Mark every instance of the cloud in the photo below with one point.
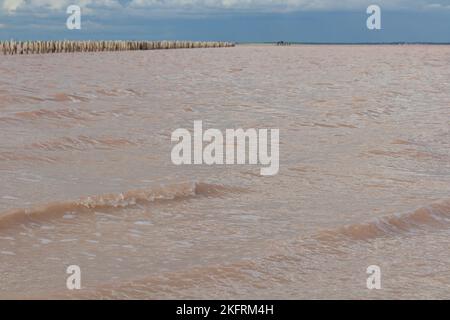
(200, 6)
(439, 6)
(273, 4)
(12, 5)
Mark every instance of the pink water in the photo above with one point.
(87, 179)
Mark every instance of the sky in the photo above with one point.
(321, 21)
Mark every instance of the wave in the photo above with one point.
(120, 92)
(262, 271)
(436, 215)
(60, 114)
(69, 115)
(20, 156)
(9, 98)
(180, 191)
(82, 142)
(168, 284)
(64, 97)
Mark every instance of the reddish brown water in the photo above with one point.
(86, 175)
